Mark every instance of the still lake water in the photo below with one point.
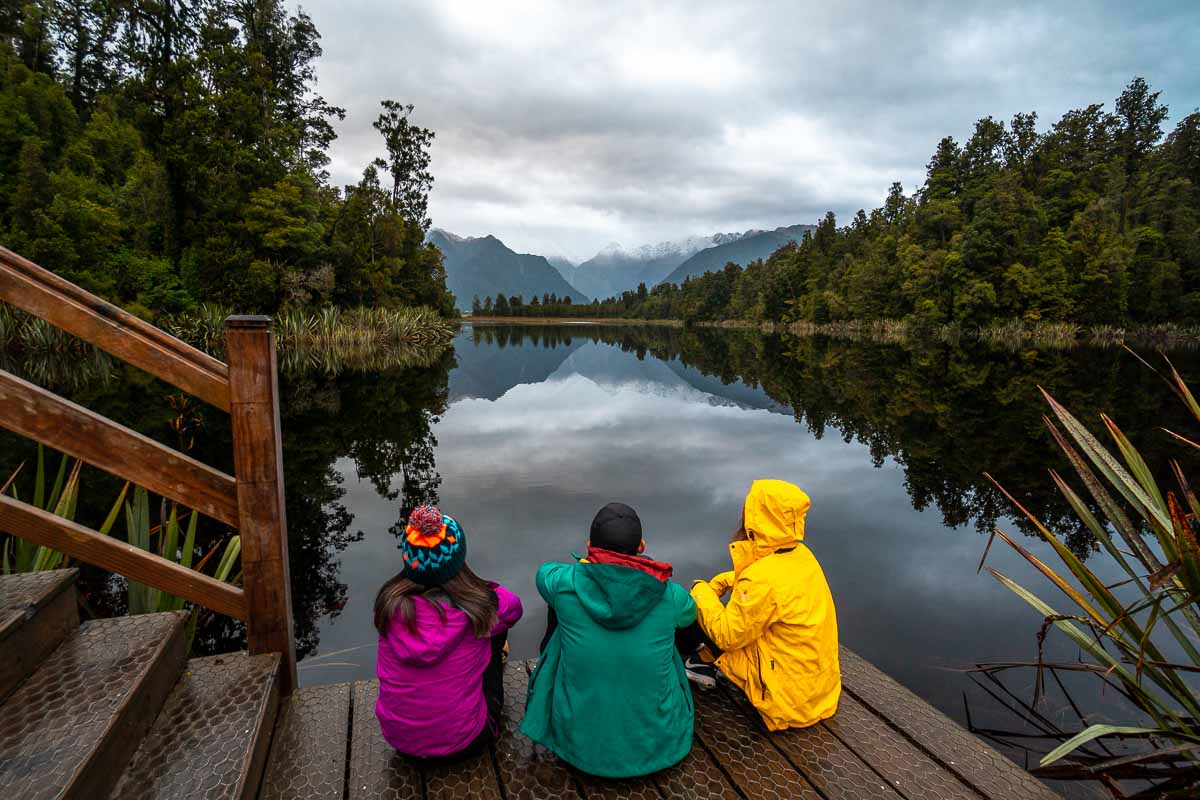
(522, 433)
(540, 427)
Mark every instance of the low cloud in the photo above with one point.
(561, 127)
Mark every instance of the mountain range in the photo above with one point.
(484, 266)
(615, 269)
(750, 246)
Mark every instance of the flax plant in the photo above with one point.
(19, 555)
(145, 599)
(1143, 640)
(61, 497)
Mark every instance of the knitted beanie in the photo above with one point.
(434, 547)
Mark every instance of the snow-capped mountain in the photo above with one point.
(615, 269)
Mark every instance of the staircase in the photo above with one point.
(114, 708)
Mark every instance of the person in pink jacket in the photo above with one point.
(442, 631)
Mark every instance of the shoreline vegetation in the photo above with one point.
(329, 338)
(1009, 333)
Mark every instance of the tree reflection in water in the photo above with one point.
(943, 412)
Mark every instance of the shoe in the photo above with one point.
(698, 672)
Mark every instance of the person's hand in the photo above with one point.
(722, 583)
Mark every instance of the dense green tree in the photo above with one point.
(166, 152)
(1095, 221)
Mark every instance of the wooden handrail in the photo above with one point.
(253, 501)
(39, 292)
(85, 544)
(45, 417)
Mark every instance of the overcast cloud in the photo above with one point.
(564, 126)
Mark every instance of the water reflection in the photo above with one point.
(524, 432)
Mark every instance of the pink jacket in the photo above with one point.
(431, 682)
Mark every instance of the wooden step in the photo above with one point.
(308, 751)
(70, 728)
(211, 738)
(38, 610)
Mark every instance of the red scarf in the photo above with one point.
(656, 569)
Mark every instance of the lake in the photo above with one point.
(522, 433)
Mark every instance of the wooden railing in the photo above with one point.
(252, 502)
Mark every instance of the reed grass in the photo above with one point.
(329, 337)
(1142, 641)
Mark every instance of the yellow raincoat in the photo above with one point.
(779, 629)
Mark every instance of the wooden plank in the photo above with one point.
(527, 771)
(697, 777)
(618, 788)
(377, 772)
(834, 769)
(308, 754)
(258, 462)
(906, 768)
(464, 780)
(43, 294)
(41, 527)
(977, 764)
(45, 417)
(741, 746)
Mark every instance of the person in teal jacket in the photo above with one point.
(609, 694)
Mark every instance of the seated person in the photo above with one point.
(609, 695)
(442, 632)
(776, 639)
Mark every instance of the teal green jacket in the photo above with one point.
(609, 695)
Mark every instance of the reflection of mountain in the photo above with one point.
(735, 392)
(488, 365)
(943, 413)
(492, 360)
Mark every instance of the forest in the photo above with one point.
(168, 154)
(1095, 221)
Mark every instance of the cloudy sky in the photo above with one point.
(564, 126)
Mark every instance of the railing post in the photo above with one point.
(258, 464)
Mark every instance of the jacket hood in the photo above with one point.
(432, 640)
(774, 514)
(618, 596)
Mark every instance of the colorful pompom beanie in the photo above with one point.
(434, 546)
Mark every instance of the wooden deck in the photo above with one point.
(884, 744)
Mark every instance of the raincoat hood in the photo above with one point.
(774, 514)
(618, 596)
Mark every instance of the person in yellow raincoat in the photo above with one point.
(778, 633)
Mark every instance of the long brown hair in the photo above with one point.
(740, 534)
(466, 591)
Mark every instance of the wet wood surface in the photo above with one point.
(860, 753)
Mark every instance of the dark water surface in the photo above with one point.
(522, 433)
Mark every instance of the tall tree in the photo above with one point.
(408, 161)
